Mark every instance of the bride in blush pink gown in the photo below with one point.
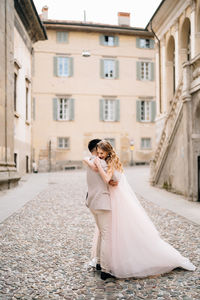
(136, 248)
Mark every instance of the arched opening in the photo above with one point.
(170, 68)
(185, 41)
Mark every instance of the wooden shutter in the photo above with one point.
(71, 109)
(152, 71)
(71, 66)
(55, 66)
(101, 109)
(116, 41)
(153, 111)
(138, 42)
(138, 70)
(138, 111)
(116, 69)
(117, 110)
(102, 68)
(55, 109)
(151, 43)
(101, 39)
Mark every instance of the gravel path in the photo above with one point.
(45, 245)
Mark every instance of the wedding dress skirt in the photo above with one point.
(136, 249)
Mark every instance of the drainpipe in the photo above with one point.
(160, 91)
(6, 87)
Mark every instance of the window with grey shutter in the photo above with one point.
(151, 71)
(138, 68)
(55, 109)
(153, 111)
(117, 110)
(109, 40)
(101, 108)
(138, 113)
(109, 68)
(71, 109)
(71, 66)
(55, 67)
(61, 36)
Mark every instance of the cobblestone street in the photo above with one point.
(44, 248)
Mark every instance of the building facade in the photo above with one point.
(176, 164)
(27, 30)
(20, 27)
(93, 81)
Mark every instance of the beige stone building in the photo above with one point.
(93, 81)
(20, 27)
(176, 164)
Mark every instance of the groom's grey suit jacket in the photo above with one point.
(98, 194)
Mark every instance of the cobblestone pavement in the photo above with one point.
(45, 245)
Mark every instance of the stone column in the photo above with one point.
(8, 174)
(157, 80)
(176, 39)
(163, 75)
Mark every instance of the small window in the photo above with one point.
(61, 36)
(109, 68)
(63, 66)
(63, 143)
(146, 111)
(63, 109)
(111, 141)
(109, 110)
(145, 143)
(145, 70)
(109, 40)
(144, 43)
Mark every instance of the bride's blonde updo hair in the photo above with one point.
(112, 159)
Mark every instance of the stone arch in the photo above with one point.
(185, 41)
(170, 69)
(197, 117)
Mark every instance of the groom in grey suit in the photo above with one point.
(99, 203)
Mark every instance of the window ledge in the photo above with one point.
(28, 122)
(63, 149)
(16, 114)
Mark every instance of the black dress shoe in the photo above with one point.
(105, 275)
(98, 267)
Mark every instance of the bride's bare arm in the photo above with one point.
(105, 176)
(90, 164)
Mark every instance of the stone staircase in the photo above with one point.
(168, 133)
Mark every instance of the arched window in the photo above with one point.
(185, 41)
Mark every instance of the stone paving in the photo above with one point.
(45, 245)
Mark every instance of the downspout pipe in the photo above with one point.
(159, 51)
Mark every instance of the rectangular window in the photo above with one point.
(109, 68)
(63, 66)
(63, 143)
(145, 143)
(145, 111)
(63, 109)
(61, 36)
(145, 70)
(111, 141)
(15, 92)
(109, 110)
(27, 103)
(109, 40)
(144, 43)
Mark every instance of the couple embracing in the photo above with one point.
(127, 244)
